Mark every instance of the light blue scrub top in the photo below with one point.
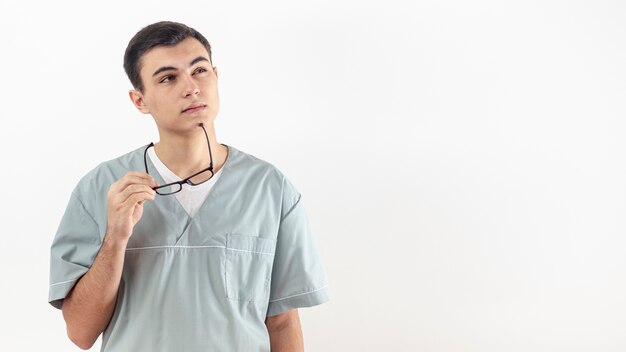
(205, 283)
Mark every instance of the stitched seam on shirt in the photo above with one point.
(300, 294)
(156, 247)
(292, 208)
(231, 249)
(87, 211)
(62, 282)
(244, 250)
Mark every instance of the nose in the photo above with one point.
(191, 88)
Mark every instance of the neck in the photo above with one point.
(186, 154)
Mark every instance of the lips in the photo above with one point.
(194, 108)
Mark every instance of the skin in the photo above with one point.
(285, 332)
(182, 146)
(189, 79)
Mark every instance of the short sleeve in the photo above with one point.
(74, 248)
(298, 276)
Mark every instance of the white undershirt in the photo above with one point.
(190, 197)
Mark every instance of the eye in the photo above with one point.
(166, 79)
(199, 70)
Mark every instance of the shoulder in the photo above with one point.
(93, 186)
(248, 164)
(268, 172)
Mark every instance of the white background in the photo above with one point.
(462, 163)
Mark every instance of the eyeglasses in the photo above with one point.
(194, 180)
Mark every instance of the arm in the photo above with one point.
(88, 308)
(285, 332)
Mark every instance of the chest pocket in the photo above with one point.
(248, 267)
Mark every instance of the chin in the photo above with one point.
(208, 118)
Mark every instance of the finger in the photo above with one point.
(128, 180)
(135, 198)
(119, 197)
(135, 189)
(134, 180)
(137, 174)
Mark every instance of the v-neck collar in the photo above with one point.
(171, 198)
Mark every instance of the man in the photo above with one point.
(187, 244)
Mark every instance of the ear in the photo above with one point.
(137, 98)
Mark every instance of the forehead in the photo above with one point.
(179, 55)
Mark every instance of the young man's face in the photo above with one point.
(175, 79)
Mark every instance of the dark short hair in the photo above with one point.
(164, 33)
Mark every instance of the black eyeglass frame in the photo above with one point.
(186, 180)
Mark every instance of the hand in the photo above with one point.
(125, 203)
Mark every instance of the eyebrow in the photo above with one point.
(171, 68)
